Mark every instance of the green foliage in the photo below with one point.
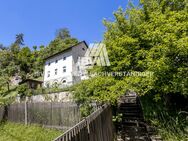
(86, 109)
(58, 45)
(152, 38)
(117, 118)
(172, 126)
(23, 90)
(63, 33)
(98, 89)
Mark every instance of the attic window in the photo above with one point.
(49, 64)
(64, 58)
(83, 48)
(56, 61)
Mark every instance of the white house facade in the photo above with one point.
(62, 68)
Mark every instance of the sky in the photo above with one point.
(38, 20)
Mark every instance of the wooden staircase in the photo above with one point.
(133, 127)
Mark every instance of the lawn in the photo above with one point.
(19, 132)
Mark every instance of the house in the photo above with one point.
(32, 83)
(62, 69)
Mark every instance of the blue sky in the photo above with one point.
(39, 19)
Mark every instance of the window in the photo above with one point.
(47, 85)
(64, 81)
(55, 71)
(64, 58)
(33, 85)
(64, 69)
(49, 64)
(83, 49)
(48, 74)
(56, 61)
(78, 68)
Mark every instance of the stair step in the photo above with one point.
(132, 119)
(127, 112)
(128, 100)
(130, 108)
(130, 111)
(135, 129)
(138, 124)
(127, 115)
(142, 138)
(130, 105)
(156, 138)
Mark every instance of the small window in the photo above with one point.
(49, 64)
(48, 85)
(64, 69)
(83, 49)
(64, 58)
(64, 81)
(33, 85)
(56, 61)
(55, 71)
(78, 68)
(48, 74)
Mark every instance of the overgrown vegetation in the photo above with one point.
(172, 122)
(19, 132)
(151, 38)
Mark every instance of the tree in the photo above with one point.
(2, 47)
(63, 33)
(150, 39)
(25, 62)
(19, 39)
(35, 48)
(62, 41)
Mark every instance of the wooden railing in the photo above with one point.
(95, 127)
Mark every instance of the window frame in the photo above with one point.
(48, 74)
(64, 58)
(64, 69)
(56, 70)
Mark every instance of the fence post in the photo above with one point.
(26, 111)
(51, 115)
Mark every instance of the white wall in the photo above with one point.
(59, 66)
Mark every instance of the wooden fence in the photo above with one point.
(95, 127)
(55, 115)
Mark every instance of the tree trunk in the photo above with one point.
(6, 108)
(5, 113)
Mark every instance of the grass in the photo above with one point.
(19, 132)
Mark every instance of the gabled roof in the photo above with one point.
(66, 50)
(31, 80)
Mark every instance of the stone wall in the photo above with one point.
(53, 97)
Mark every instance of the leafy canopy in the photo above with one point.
(152, 37)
